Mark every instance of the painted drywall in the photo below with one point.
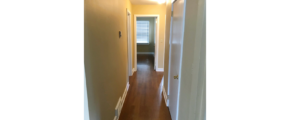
(161, 11)
(105, 55)
(150, 47)
(86, 105)
(166, 45)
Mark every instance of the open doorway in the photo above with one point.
(146, 36)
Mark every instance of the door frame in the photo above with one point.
(169, 57)
(156, 39)
(129, 39)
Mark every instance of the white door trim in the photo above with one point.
(156, 37)
(130, 73)
(169, 61)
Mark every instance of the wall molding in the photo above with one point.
(159, 69)
(118, 108)
(147, 53)
(165, 95)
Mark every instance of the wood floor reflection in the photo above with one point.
(144, 99)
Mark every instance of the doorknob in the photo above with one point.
(175, 77)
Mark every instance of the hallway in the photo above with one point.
(144, 99)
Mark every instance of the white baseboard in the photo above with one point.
(120, 103)
(142, 53)
(125, 93)
(159, 69)
(165, 96)
(133, 70)
(118, 109)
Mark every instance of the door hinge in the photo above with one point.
(171, 13)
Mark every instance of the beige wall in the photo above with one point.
(148, 47)
(105, 55)
(153, 9)
(167, 37)
(132, 34)
(106, 77)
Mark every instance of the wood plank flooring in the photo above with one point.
(144, 99)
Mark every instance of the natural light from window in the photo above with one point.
(142, 31)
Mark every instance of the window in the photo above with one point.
(143, 32)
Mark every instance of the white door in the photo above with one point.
(176, 43)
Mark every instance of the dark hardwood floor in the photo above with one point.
(144, 99)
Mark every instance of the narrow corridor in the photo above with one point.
(144, 99)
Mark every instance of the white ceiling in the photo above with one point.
(147, 2)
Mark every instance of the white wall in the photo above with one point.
(85, 97)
